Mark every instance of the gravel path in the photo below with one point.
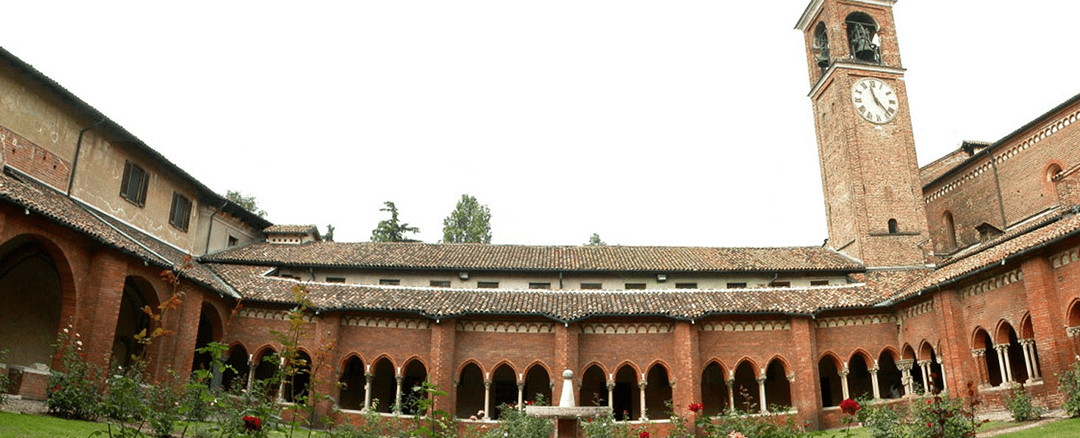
(17, 404)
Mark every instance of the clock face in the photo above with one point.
(875, 100)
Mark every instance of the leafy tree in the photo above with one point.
(248, 202)
(594, 240)
(470, 222)
(392, 230)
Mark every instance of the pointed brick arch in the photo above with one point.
(658, 389)
(745, 387)
(29, 329)
(353, 382)
(777, 383)
(504, 388)
(594, 386)
(413, 374)
(626, 400)
(538, 384)
(714, 388)
(383, 383)
(470, 389)
(829, 367)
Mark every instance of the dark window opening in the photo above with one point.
(180, 212)
(893, 227)
(134, 184)
(539, 285)
(780, 284)
(635, 286)
(389, 282)
(487, 284)
(591, 286)
(233, 241)
(685, 285)
(439, 283)
(736, 285)
(335, 279)
(819, 282)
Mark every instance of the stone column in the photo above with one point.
(924, 365)
(905, 375)
(611, 394)
(843, 382)
(487, 398)
(980, 363)
(761, 394)
(251, 372)
(368, 377)
(399, 379)
(731, 394)
(642, 385)
(521, 394)
(1003, 362)
(874, 381)
(944, 381)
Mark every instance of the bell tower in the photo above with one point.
(869, 172)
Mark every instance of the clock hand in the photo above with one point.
(874, 95)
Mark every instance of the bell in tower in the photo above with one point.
(821, 47)
(862, 36)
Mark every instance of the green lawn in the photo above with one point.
(20, 425)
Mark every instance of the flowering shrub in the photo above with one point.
(934, 417)
(252, 424)
(849, 406)
(696, 407)
(643, 434)
(74, 393)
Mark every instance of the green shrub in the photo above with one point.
(1020, 405)
(74, 393)
(1069, 386)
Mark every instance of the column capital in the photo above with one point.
(924, 362)
(978, 352)
(1072, 331)
(844, 373)
(1001, 347)
(761, 379)
(642, 384)
(730, 382)
(487, 384)
(791, 378)
(874, 370)
(905, 364)
(1027, 341)
(610, 386)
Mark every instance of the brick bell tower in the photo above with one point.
(869, 172)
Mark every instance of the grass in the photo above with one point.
(23, 425)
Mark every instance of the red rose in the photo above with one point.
(643, 434)
(849, 406)
(695, 407)
(252, 423)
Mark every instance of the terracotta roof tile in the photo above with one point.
(290, 229)
(538, 258)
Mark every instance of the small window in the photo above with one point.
(487, 284)
(819, 282)
(685, 285)
(780, 284)
(134, 184)
(180, 212)
(439, 283)
(389, 281)
(233, 241)
(736, 285)
(539, 285)
(591, 286)
(335, 279)
(893, 228)
(635, 286)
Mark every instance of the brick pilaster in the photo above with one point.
(805, 390)
(99, 305)
(955, 352)
(1047, 319)
(686, 368)
(566, 358)
(441, 373)
(326, 359)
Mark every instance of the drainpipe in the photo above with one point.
(997, 184)
(75, 161)
(210, 229)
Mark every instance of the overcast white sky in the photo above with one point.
(648, 122)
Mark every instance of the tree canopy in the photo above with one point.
(248, 202)
(594, 240)
(470, 222)
(392, 230)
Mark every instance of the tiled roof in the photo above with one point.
(539, 258)
(290, 229)
(39, 199)
(560, 305)
(999, 250)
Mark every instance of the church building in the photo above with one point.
(958, 271)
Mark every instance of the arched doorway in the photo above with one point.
(593, 391)
(296, 385)
(209, 331)
(657, 392)
(747, 398)
(235, 376)
(777, 385)
(132, 320)
(890, 379)
(990, 362)
(503, 390)
(352, 382)
(714, 390)
(860, 384)
(266, 365)
(626, 402)
(383, 386)
(412, 391)
(31, 301)
(538, 386)
(470, 391)
(832, 390)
